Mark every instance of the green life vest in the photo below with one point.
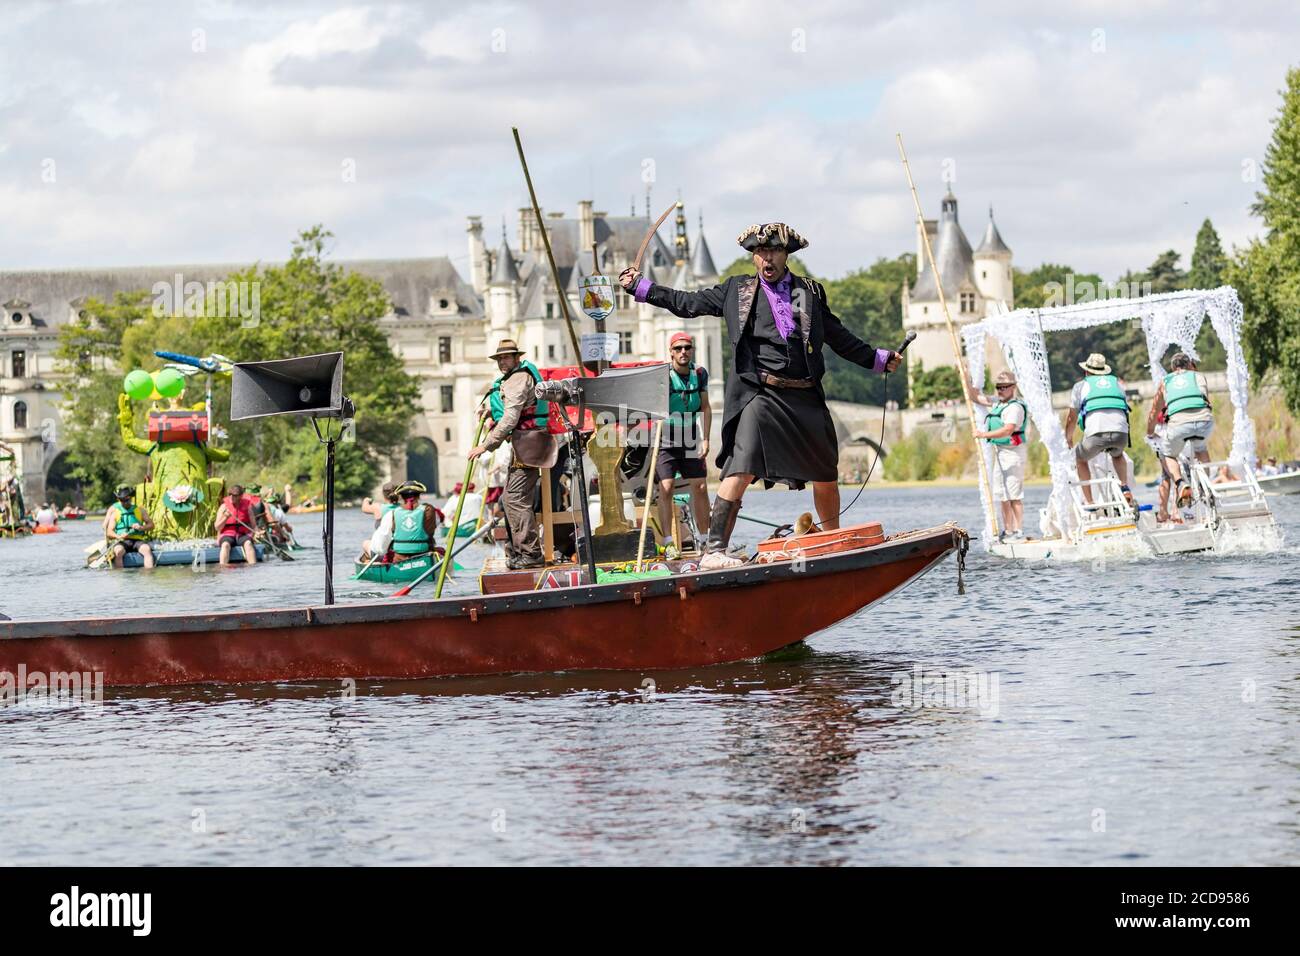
(408, 531)
(127, 520)
(1101, 392)
(683, 399)
(994, 421)
(1183, 393)
(531, 418)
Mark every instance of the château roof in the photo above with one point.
(992, 243)
(952, 254)
(57, 294)
(504, 270)
(702, 260)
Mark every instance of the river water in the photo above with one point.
(1137, 713)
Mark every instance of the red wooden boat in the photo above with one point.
(686, 620)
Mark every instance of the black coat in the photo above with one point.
(733, 300)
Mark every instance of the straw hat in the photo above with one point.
(1005, 377)
(506, 347)
(1096, 364)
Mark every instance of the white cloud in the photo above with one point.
(1099, 159)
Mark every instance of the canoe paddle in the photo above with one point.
(403, 592)
(277, 550)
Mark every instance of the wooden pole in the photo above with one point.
(555, 272)
(649, 493)
(455, 522)
(952, 336)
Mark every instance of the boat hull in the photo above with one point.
(1287, 484)
(680, 621)
(210, 554)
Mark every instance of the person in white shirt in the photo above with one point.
(1004, 430)
(1099, 403)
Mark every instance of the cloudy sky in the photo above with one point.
(212, 131)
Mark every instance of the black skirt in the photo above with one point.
(786, 436)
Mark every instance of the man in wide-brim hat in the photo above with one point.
(519, 417)
(776, 426)
(1099, 404)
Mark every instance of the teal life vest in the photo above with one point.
(1102, 392)
(409, 536)
(994, 421)
(127, 520)
(535, 417)
(683, 400)
(1183, 393)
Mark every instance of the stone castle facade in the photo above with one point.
(975, 283)
(442, 325)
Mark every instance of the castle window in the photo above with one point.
(550, 310)
(20, 415)
(17, 318)
(446, 434)
(443, 303)
(925, 310)
(448, 399)
(19, 361)
(984, 274)
(550, 353)
(968, 302)
(444, 348)
(625, 343)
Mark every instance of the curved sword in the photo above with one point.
(640, 253)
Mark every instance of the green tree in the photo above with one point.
(1266, 272)
(1208, 260)
(308, 306)
(870, 304)
(935, 385)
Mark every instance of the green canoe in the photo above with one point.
(399, 572)
(467, 528)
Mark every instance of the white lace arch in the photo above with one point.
(1170, 318)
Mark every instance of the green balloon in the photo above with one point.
(138, 385)
(169, 382)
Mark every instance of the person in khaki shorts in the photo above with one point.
(1100, 404)
(1183, 402)
(1004, 429)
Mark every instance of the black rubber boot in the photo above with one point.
(721, 520)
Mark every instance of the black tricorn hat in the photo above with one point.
(771, 234)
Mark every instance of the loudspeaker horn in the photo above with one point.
(307, 385)
(642, 391)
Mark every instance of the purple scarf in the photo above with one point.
(778, 298)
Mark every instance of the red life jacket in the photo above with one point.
(244, 513)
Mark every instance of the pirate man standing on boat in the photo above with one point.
(521, 418)
(776, 427)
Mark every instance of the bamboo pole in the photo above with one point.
(952, 336)
(550, 257)
(455, 522)
(649, 493)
